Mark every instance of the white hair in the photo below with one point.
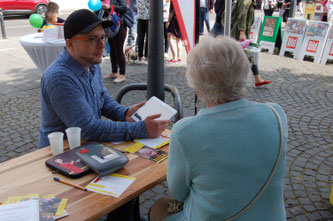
(217, 68)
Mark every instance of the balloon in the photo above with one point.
(95, 5)
(36, 20)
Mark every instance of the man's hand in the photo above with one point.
(132, 110)
(155, 127)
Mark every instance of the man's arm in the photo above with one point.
(242, 17)
(71, 106)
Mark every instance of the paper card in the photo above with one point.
(111, 185)
(154, 143)
(22, 211)
(152, 154)
(154, 106)
(133, 148)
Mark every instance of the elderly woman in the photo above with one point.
(220, 159)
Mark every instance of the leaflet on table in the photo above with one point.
(112, 185)
(154, 106)
(50, 207)
(20, 211)
(154, 143)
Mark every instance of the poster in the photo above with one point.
(269, 27)
(318, 30)
(295, 26)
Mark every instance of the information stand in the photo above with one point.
(293, 36)
(328, 50)
(255, 29)
(314, 40)
(271, 33)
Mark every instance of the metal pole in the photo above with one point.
(155, 51)
(293, 8)
(227, 18)
(2, 23)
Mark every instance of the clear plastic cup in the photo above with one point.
(74, 137)
(57, 142)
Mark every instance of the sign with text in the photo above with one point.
(293, 36)
(328, 49)
(314, 40)
(271, 33)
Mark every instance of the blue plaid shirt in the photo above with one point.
(74, 97)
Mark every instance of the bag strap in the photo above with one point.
(269, 180)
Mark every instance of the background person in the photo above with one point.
(206, 7)
(174, 37)
(242, 18)
(117, 55)
(268, 6)
(143, 16)
(166, 12)
(51, 20)
(52, 6)
(132, 31)
(220, 158)
(219, 9)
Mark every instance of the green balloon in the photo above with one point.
(36, 20)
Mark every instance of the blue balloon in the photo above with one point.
(95, 5)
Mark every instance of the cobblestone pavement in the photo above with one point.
(302, 88)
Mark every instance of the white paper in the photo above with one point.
(154, 106)
(112, 185)
(22, 211)
(152, 142)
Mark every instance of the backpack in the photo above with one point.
(114, 17)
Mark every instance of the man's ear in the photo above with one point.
(69, 44)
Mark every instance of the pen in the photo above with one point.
(70, 184)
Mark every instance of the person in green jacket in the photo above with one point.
(242, 18)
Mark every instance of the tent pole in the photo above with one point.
(155, 78)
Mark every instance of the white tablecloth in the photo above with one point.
(42, 53)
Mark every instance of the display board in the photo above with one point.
(314, 40)
(328, 49)
(293, 36)
(310, 8)
(255, 29)
(271, 33)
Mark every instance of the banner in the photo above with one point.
(185, 13)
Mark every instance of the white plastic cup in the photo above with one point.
(74, 137)
(57, 142)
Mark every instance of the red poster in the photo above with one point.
(292, 42)
(312, 46)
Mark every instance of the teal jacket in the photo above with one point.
(219, 160)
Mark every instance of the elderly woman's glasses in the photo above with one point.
(94, 40)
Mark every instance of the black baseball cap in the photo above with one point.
(82, 21)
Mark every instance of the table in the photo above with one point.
(28, 174)
(42, 53)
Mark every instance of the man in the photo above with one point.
(205, 7)
(73, 93)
